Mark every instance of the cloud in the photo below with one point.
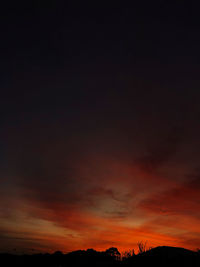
(96, 199)
(161, 152)
(182, 199)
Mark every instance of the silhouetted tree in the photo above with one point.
(142, 247)
(58, 253)
(113, 252)
(91, 251)
(128, 254)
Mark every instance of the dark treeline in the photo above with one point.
(160, 256)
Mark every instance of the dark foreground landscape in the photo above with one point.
(159, 256)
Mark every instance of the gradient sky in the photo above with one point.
(99, 127)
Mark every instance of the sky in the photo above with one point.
(99, 126)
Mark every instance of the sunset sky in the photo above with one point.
(99, 126)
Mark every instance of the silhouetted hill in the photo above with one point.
(166, 251)
(165, 256)
(159, 256)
